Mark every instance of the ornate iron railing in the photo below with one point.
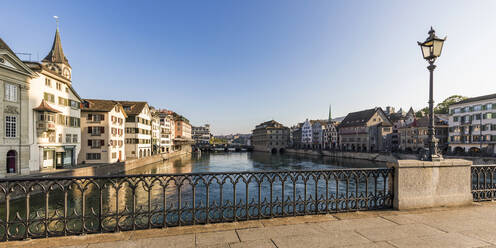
(484, 182)
(45, 207)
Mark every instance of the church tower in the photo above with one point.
(56, 61)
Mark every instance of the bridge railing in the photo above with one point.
(484, 182)
(59, 206)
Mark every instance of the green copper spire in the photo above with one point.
(330, 116)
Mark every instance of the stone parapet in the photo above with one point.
(424, 184)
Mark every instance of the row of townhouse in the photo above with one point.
(369, 130)
(47, 125)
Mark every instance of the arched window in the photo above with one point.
(11, 161)
(140, 153)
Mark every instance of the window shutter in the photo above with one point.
(102, 129)
(102, 142)
(89, 142)
(89, 129)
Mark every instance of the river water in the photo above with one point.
(246, 161)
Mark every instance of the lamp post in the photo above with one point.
(431, 49)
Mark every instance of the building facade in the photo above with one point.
(15, 79)
(270, 136)
(182, 135)
(365, 131)
(102, 132)
(318, 128)
(413, 136)
(201, 135)
(167, 129)
(306, 134)
(472, 125)
(54, 121)
(138, 132)
(331, 137)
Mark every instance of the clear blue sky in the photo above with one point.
(234, 64)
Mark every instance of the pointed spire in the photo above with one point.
(56, 55)
(330, 116)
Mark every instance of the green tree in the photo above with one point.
(443, 107)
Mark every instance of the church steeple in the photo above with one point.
(55, 60)
(56, 55)
(330, 116)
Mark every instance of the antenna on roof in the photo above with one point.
(57, 21)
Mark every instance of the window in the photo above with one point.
(60, 138)
(68, 138)
(59, 86)
(49, 97)
(10, 92)
(455, 119)
(67, 89)
(74, 104)
(48, 82)
(93, 156)
(63, 101)
(114, 155)
(74, 138)
(10, 126)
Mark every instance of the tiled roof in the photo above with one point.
(476, 99)
(98, 105)
(133, 108)
(45, 107)
(358, 118)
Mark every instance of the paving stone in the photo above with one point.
(451, 240)
(279, 231)
(487, 235)
(254, 243)
(116, 244)
(370, 245)
(401, 219)
(333, 239)
(185, 241)
(397, 232)
(353, 224)
(212, 238)
(461, 225)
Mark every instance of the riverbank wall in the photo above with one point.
(110, 169)
(376, 157)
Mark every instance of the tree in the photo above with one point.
(443, 107)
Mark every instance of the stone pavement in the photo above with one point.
(471, 226)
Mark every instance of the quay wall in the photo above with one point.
(376, 157)
(109, 169)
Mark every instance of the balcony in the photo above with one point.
(45, 126)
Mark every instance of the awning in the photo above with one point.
(59, 149)
(44, 107)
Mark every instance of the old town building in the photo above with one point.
(54, 121)
(138, 132)
(102, 132)
(167, 129)
(331, 137)
(365, 131)
(306, 134)
(472, 125)
(318, 127)
(295, 134)
(413, 136)
(156, 132)
(201, 134)
(182, 135)
(14, 112)
(270, 136)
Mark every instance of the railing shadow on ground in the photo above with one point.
(61, 206)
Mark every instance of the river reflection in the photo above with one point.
(247, 189)
(255, 161)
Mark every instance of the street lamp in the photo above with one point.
(431, 50)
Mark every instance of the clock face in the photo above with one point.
(67, 73)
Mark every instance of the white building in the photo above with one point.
(472, 125)
(138, 129)
(14, 112)
(167, 130)
(201, 134)
(306, 134)
(54, 121)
